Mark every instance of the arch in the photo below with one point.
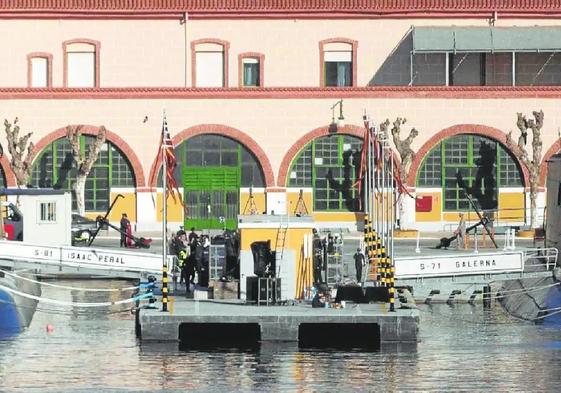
(225, 47)
(111, 137)
(554, 149)
(9, 175)
(220, 129)
(304, 140)
(352, 43)
(97, 47)
(471, 129)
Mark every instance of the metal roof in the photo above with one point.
(31, 191)
(486, 39)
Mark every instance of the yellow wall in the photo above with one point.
(338, 216)
(436, 212)
(260, 199)
(175, 210)
(124, 205)
(294, 241)
(511, 206)
(292, 201)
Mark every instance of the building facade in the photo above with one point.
(251, 89)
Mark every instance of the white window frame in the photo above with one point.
(46, 213)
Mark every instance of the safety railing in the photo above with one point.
(546, 257)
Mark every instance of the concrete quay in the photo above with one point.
(197, 320)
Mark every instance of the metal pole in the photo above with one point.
(164, 219)
(392, 226)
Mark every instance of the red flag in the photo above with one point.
(166, 145)
(167, 148)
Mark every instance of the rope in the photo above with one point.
(71, 288)
(75, 304)
(58, 311)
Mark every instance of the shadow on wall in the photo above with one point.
(396, 69)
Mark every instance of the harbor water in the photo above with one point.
(461, 348)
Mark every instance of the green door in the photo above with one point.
(212, 197)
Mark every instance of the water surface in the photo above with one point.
(461, 348)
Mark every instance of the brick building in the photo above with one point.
(250, 89)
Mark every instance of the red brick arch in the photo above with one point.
(472, 129)
(111, 137)
(232, 133)
(8, 174)
(304, 140)
(554, 149)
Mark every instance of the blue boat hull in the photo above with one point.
(16, 311)
(10, 321)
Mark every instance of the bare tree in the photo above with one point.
(84, 160)
(406, 155)
(21, 151)
(519, 150)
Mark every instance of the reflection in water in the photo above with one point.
(461, 348)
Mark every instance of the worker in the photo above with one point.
(179, 247)
(317, 248)
(202, 258)
(460, 233)
(125, 228)
(359, 265)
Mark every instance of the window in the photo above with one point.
(211, 169)
(39, 69)
(81, 63)
(55, 168)
(485, 166)
(47, 212)
(251, 72)
(338, 63)
(338, 70)
(209, 63)
(330, 165)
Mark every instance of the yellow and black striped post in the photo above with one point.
(390, 281)
(165, 286)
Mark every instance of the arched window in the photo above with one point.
(81, 63)
(209, 63)
(485, 166)
(338, 57)
(211, 169)
(39, 69)
(330, 165)
(55, 168)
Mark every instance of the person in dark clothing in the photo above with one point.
(317, 247)
(124, 226)
(193, 239)
(202, 257)
(180, 250)
(322, 297)
(319, 300)
(359, 264)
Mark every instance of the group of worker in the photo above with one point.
(193, 256)
(322, 248)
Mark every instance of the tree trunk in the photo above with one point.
(534, 181)
(79, 190)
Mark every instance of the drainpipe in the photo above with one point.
(185, 46)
